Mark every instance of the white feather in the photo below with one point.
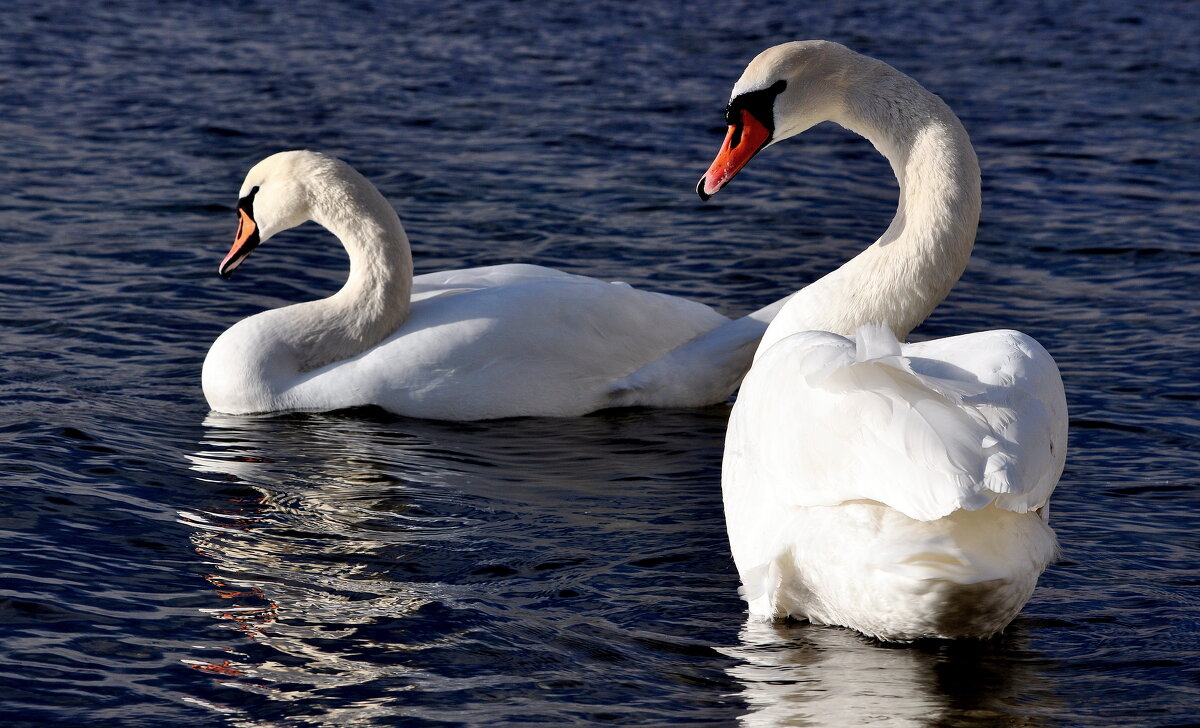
(500, 341)
(901, 490)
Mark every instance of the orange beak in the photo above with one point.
(743, 141)
(244, 241)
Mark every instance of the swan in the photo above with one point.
(490, 342)
(901, 490)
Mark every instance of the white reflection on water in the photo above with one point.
(382, 569)
(279, 561)
(806, 675)
(472, 565)
(829, 677)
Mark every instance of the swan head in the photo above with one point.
(785, 90)
(278, 194)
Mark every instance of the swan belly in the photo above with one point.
(866, 566)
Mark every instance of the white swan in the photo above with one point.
(482, 343)
(901, 490)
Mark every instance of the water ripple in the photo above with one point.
(358, 569)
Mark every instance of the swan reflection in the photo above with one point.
(375, 556)
(805, 675)
(292, 580)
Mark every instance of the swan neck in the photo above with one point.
(909, 270)
(375, 241)
(375, 299)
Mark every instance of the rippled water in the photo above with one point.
(162, 565)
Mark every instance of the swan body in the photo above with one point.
(901, 490)
(499, 341)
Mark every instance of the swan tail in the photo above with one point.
(966, 575)
(701, 372)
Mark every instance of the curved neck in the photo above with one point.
(906, 273)
(375, 298)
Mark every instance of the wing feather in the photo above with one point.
(926, 428)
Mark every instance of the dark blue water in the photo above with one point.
(163, 567)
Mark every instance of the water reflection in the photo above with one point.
(804, 675)
(282, 557)
(376, 567)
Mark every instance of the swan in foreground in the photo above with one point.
(499, 341)
(901, 490)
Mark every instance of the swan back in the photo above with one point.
(925, 428)
(969, 423)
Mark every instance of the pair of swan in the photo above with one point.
(898, 489)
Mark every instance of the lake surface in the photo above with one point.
(164, 566)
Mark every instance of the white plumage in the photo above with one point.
(480, 343)
(901, 490)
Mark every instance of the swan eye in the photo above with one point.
(760, 104)
(247, 202)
